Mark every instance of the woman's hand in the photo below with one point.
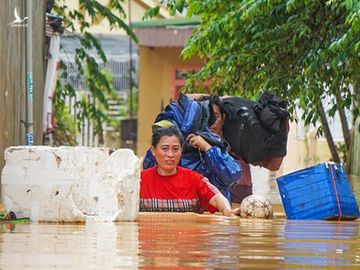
(197, 141)
(231, 212)
(223, 205)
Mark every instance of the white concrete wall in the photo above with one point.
(71, 183)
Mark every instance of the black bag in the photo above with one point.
(271, 110)
(257, 131)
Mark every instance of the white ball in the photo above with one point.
(256, 206)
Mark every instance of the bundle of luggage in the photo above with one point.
(257, 130)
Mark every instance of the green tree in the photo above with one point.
(303, 50)
(97, 80)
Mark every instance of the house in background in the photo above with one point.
(162, 71)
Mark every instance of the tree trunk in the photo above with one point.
(344, 123)
(350, 154)
(327, 133)
(356, 102)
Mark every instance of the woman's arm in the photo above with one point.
(225, 168)
(223, 205)
(222, 165)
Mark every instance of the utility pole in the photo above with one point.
(130, 64)
(29, 127)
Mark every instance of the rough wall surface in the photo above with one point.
(71, 184)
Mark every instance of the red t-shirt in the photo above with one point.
(185, 191)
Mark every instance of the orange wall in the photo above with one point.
(155, 85)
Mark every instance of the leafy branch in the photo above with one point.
(96, 80)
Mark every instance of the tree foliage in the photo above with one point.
(303, 50)
(97, 81)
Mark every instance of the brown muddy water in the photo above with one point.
(168, 241)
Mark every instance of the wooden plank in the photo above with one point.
(12, 75)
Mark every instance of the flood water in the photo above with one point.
(167, 241)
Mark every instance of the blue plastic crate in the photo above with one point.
(318, 192)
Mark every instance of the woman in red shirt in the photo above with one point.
(169, 187)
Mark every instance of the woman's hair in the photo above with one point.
(168, 131)
(213, 100)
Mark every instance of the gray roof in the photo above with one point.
(114, 46)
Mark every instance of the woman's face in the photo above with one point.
(219, 120)
(167, 154)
